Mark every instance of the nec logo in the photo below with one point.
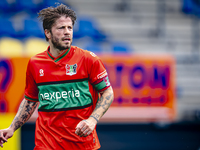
(71, 69)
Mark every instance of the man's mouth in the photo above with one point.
(66, 39)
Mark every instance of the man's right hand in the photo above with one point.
(24, 112)
(5, 134)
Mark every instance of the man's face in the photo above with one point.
(62, 33)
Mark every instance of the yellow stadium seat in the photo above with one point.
(34, 46)
(10, 47)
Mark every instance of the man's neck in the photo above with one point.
(56, 52)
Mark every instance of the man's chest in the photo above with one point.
(46, 71)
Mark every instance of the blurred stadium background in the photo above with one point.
(164, 31)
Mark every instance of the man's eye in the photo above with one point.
(61, 27)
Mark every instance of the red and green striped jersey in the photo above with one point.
(67, 88)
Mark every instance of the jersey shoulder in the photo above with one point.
(85, 53)
(39, 56)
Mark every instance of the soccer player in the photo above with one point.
(71, 86)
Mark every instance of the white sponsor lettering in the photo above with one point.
(52, 95)
(102, 74)
(69, 93)
(72, 93)
(41, 95)
(59, 95)
(46, 95)
(77, 93)
(64, 94)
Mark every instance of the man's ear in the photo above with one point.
(47, 33)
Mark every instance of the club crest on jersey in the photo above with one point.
(71, 69)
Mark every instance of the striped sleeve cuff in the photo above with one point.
(102, 84)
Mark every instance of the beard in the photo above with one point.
(58, 45)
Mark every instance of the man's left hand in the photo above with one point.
(85, 127)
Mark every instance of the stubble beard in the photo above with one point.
(57, 44)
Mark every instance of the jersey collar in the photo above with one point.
(56, 59)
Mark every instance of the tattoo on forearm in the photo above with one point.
(95, 116)
(104, 102)
(18, 124)
(24, 113)
(107, 102)
(28, 109)
(25, 117)
(99, 102)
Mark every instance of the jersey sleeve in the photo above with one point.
(31, 90)
(98, 74)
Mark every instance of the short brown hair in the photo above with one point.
(49, 15)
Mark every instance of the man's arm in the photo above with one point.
(103, 104)
(25, 111)
(85, 127)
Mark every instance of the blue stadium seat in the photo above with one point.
(196, 8)
(187, 6)
(5, 6)
(32, 28)
(120, 47)
(99, 35)
(95, 47)
(87, 27)
(191, 7)
(6, 28)
(29, 5)
(48, 3)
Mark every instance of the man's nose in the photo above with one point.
(66, 31)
